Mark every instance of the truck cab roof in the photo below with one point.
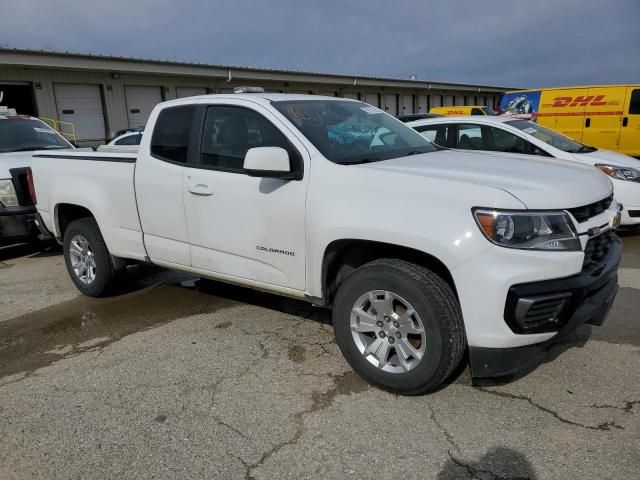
(258, 97)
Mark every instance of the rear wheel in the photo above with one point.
(87, 258)
(399, 326)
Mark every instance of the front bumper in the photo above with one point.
(586, 298)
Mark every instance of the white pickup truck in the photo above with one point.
(422, 253)
(20, 136)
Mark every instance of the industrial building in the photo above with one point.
(98, 95)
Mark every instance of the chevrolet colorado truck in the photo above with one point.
(20, 135)
(422, 254)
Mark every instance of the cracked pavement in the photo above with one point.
(177, 378)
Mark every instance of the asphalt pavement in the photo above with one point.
(182, 378)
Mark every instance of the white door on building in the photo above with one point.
(80, 105)
(182, 92)
(351, 95)
(327, 93)
(140, 101)
(436, 100)
(460, 100)
(447, 100)
(407, 104)
(391, 104)
(423, 104)
(372, 99)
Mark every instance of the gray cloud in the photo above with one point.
(499, 42)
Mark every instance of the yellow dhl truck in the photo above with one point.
(463, 110)
(604, 116)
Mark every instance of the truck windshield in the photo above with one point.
(353, 132)
(550, 137)
(19, 134)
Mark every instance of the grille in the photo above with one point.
(540, 311)
(543, 311)
(582, 214)
(596, 250)
(634, 213)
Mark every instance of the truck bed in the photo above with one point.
(101, 182)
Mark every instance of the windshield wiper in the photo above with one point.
(416, 152)
(357, 161)
(585, 149)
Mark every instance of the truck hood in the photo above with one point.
(607, 156)
(14, 160)
(539, 183)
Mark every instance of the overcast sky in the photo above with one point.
(502, 42)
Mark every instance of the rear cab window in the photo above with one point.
(172, 133)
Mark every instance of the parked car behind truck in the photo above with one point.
(511, 135)
(421, 253)
(19, 136)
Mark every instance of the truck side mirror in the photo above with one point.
(269, 162)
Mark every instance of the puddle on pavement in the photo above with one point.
(344, 384)
(37, 339)
(296, 353)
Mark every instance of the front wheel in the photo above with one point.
(399, 326)
(87, 258)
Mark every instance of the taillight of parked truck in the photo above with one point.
(32, 187)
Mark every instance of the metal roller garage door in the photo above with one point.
(423, 104)
(82, 106)
(182, 92)
(140, 102)
(407, 104)
(391, 103)
(372, 99)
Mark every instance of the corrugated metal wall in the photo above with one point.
(115, 107)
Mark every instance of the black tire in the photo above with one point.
(105, 272)
(431, 297)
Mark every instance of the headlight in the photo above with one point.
(529, 230)
(8, 194)
(620, 173)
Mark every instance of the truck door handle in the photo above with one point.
(625, 121)
(200, 190)
(587, 123)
